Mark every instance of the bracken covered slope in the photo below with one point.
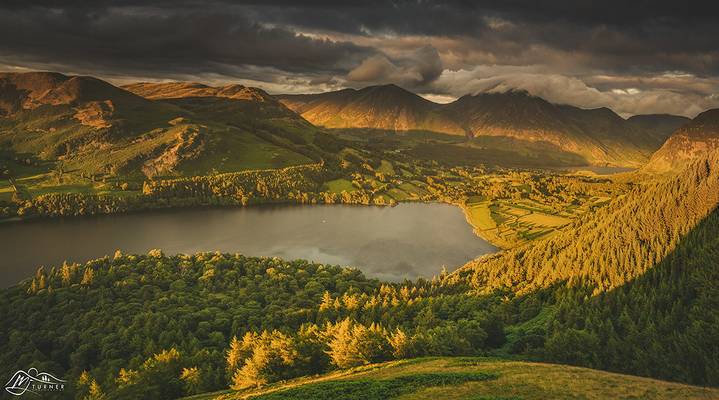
(689, 142)
(614, 245)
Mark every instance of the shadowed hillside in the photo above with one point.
(664, 323)
(658, 126)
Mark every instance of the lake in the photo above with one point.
(407, 241)
(597, 170)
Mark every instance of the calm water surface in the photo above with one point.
(406, 241)
(599, 170)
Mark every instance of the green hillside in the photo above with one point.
(85, 135)
(615, 244)
(463, 378)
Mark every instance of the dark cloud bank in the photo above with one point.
(636, 57)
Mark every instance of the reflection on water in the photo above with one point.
(406, 241)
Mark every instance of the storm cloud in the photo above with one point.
(635, 57)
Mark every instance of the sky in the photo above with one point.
(636, 57)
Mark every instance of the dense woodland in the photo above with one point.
(141, 323)
(153, 326)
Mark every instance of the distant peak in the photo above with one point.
(35, 74)
(387, 87)
(502, 95)
(32, 81)
(392, 91)
(708, 116)
(605, 111)
(503, 90)
(658, 117)
(519, 92)
(233, 86)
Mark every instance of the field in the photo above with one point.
(507, 223)
(338, 186)
(386, 168)
(465, 378)
(511, 222)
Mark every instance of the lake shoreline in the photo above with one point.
(499, 244)
(414, 239)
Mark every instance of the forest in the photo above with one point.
(157, 326)
(221, 319)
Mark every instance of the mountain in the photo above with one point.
(93, 102)
(688, 143)
(231, 104)
(387, 107)
(176, 90)
(530, 120)
(514, 118)
(251, 129)
(86, 128)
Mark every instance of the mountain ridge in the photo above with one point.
(171, 90)
(599, 135)
(71, 114)
(387, 107)
(95, 129)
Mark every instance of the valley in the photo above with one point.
(224, 242)
(213, 134)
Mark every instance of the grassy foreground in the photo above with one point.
(468, 378)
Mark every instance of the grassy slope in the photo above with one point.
(511, 380)
(338, 186)
(213, 135)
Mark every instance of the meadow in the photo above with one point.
(468, 378)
